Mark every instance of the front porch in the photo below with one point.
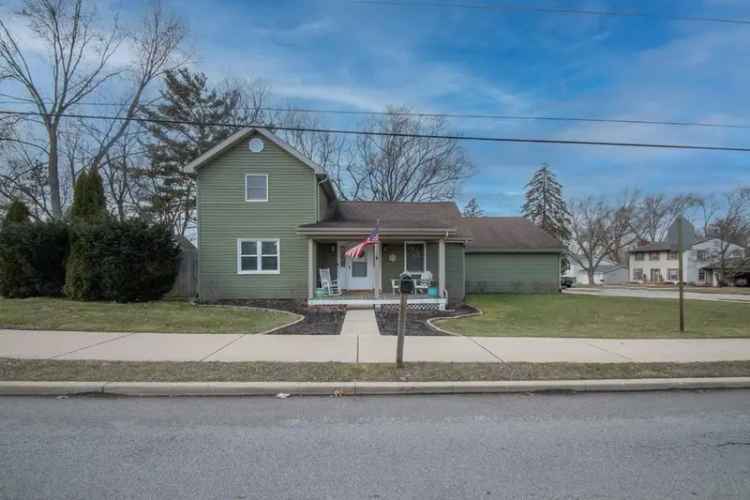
(370, 280)
(370, 299)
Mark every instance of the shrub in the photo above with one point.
(17, 213)
(32, 259)
(89, 202)
(121, 261)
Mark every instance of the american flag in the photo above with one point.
(358, 249)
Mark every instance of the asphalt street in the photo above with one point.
(638, 445)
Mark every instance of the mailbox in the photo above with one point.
(406, 283)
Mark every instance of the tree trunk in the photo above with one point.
(590, 272)
(53, 174)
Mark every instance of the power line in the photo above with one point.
(568, 142)
(551, 10)
(480, 116)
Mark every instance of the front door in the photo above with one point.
(359, 270)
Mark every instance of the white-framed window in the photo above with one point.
(638, 274)
(654, 256)
(415, 256)
(639, 255)
(701, 275)
(256, 187)
(673, 274)
(702, 255)
(672, 256)
(256, 256)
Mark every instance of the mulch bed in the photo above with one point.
(318, 320)
(416, 321)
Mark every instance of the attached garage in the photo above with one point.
(510, 255)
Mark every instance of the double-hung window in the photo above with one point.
(673, 274)
(415, 257)
(258, 256)
(639, 255)
(256, 187)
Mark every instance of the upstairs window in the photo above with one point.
(702, 255)
(639, 255)
(257, 256)
(256, 187)
(673, 256)
(653, 256)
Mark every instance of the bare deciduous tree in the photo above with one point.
(595, 232)
(394, 164)
(80, 50)
(656, 214)
(732, 228)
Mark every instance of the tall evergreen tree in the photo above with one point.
(545, 205)
(186, 97)
(471, 209)
(17, 213)
(89, 201)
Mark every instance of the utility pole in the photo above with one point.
(681, 282)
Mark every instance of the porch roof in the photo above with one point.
(439, 219)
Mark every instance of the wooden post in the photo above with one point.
(401, 331)
(680, 271)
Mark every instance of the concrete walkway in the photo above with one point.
(358, 348)
(360, 322)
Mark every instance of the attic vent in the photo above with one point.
(255, 145)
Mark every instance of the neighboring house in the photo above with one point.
(607, 272)
(658, 262)
(269, 220)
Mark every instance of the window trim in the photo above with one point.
(652, 254)
(640, 256)
(254, 200)
(259, 255)
(424, 256)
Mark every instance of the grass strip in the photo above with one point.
(122, 371)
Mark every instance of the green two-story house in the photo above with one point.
(270, 225)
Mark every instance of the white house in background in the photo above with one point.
(658, 262)
(607, 272)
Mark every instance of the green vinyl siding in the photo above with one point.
(326, 258)
(454, 271)
(224, 216)
(512, 272)
(393, 269)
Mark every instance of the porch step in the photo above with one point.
(360, 322)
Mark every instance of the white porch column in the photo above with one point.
(310, 268)
(378, 269)
(441, 268)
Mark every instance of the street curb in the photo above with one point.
(21, 388)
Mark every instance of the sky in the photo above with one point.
(341, 54)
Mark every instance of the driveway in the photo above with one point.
(647, 293)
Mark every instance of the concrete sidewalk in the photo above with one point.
(365, 348)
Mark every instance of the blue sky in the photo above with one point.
(338, 54)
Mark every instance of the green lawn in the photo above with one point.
(163, 316)
(152, 371)
(603, 317)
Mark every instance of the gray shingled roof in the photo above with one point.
(507, 233)
(660, 246)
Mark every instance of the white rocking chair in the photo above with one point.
(331, 287)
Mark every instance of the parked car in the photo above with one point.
(567, 282)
